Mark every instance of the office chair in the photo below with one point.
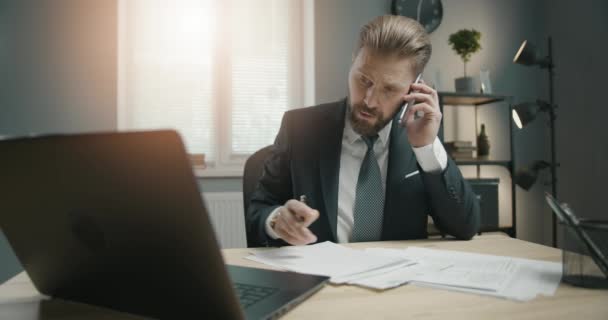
(254, 167)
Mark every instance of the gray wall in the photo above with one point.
(58, 71)
(579, 33)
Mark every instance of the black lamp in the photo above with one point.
(528, 55)
(526, 112)
(526, 177)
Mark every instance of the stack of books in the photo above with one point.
(461, 149)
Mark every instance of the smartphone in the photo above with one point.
(406, 104)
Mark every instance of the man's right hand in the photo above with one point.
(292, 223)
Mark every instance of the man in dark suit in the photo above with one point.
(352, 170)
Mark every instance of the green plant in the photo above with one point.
(465, 43)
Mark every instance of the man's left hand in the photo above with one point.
(422, 129)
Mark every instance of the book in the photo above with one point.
(461, 154)
(459, 143)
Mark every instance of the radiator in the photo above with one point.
(227, 216)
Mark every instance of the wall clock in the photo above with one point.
(427, 12)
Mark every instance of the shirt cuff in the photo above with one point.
(432, 158)
(269, 231)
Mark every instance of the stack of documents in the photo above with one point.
(506, 277)
(380, 268)
(340, 263)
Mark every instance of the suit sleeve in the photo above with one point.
(454, 206)
(273, 189)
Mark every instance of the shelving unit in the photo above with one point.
(486, 100)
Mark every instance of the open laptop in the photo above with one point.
(117, 220)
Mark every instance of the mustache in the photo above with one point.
(363, 107)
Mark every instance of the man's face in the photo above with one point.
(376, 84)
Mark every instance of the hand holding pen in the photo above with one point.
(292, 222)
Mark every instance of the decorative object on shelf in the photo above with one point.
(465, 42)
(484, 80)
(429, 13)
(483, 144)
(524, 113)
(460, 149)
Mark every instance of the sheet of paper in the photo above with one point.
(381, 268)
(466, 270)
(399, 275)
(329, 259)
(530, 277)
(518, 279)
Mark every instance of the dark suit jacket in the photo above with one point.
(305, 160)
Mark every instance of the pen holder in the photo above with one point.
(579, 269)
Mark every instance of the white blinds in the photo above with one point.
(259, 73)
(220, 72)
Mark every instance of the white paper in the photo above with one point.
(517, 279)
(400, 275)
(329, 259)
(381, 268)
(467, 270)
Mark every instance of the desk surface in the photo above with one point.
(411, 302)
(349, 302)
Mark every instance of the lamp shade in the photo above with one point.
(526, 177)
(526, 54)
(524, 113)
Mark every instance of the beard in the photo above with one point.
(365, 127)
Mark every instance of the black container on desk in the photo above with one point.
(579, 268)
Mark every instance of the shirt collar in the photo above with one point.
(352, 136)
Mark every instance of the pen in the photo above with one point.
(406, 104)
(303, 200)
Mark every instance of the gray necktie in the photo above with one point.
(369, 199)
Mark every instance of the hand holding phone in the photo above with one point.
(406, 104)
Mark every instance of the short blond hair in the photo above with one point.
(397, 35)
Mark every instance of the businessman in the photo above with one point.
(353, 170)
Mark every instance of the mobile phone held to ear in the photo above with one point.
(407, 103)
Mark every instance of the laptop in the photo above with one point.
(117, 220)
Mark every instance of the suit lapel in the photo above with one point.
(329, 157)
(401, 160)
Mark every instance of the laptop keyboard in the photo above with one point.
(250, 294)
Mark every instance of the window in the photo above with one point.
(221, 73)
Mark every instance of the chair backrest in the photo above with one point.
(254, 167)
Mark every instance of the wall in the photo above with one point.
(58, 62)
(579, 31)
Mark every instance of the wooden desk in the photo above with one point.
(411, 302)
(405, 302)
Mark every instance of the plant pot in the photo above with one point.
(464, 84)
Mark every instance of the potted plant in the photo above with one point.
(465, 42)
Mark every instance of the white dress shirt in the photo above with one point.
(431, 158)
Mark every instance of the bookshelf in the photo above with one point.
(476, 100)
